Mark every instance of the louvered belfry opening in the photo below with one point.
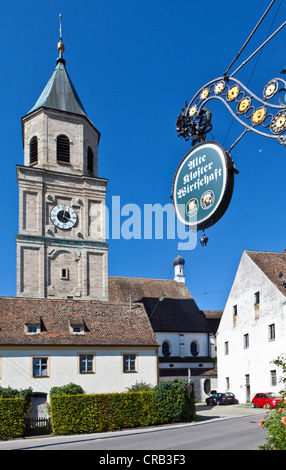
(33, 150)
(63, 149)
(90, 159)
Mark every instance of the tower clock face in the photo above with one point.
(63, 217)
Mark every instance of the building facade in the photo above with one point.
(61, 327)
(70, 321)
(183, 332)
(252, 330)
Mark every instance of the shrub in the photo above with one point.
(10, 392)
(139, 387)
(275, 420)
(174, 402)
(167, 403)
(69, 389)
(101, 412)
(12, 413)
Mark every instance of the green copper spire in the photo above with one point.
(59, 93)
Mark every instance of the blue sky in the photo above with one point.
(133, 64)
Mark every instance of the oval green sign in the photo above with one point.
(203, 185)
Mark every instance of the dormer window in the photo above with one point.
(32, 329)
(90, 160)
(33, 150)
(78, 329)
(77, 326)
(32, 325)
(63, 149)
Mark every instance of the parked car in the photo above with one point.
(227, 398)
(269, 400)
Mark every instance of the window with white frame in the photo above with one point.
(246, 341)
(32, 329)
(226, 348)
(40, 367)
(86, 363)
(77, 330)
(129, 363)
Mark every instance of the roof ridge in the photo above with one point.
(144, 278)
(261, 251)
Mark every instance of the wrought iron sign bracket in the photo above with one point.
(260, 115)
(203, 183)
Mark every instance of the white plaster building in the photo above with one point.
(102, 346)
(252, 330)
(184, 333)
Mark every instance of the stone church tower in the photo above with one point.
(61, 247)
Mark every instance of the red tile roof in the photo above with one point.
(105, 323)
(272, 264)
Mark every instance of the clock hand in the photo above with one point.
(64, 216)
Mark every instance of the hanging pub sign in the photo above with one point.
(203, 185)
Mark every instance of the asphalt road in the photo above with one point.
(217, 429)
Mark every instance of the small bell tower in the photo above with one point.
(179, 264)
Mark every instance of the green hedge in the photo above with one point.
(12, 417)
(75, 414)
(174, 403)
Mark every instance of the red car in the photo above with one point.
(269, 400)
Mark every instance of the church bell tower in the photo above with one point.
(61, 247)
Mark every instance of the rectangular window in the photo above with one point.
(271, 332)
(32, 328)
(129, 363)
(86, 363)
(246, 341)
(65, 273)
(226, 349)
(234, 310)
(273, 377)
(77, 329)
(257, 298)
(227, 383)
(40, 367)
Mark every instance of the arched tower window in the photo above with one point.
(207, 386)
(194, 348)
(33, 150)
(90, 160)
(63, 149)
(166, 349)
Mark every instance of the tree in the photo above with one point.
(275, 420)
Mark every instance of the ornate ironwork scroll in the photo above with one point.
(265, 116)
